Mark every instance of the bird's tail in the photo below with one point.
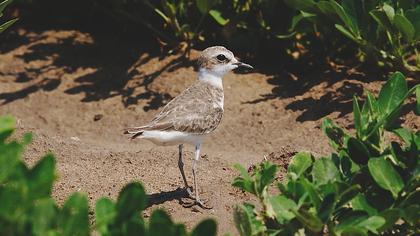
(135, 131)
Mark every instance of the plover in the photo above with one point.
(194, 113)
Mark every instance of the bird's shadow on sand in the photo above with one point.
(179, 194)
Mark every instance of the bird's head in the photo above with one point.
(218, 61)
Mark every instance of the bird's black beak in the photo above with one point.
(243, 65)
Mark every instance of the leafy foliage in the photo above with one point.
(388, 31)
(5, 25)
(384, 32)
(25, 193)
(27, 207)
(199, 20)
(366, 187)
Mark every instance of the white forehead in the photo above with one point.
(216, 50)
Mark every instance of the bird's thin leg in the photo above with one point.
(181, 169)
(196, 158)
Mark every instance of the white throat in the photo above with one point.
(210, 77)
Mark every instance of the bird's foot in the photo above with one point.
(202, 204)
(196, 202)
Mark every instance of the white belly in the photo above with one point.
(167, 138)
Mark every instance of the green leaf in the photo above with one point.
(265, 175)
(372, 105)
(43, 216)
(104, 215)
(404, 26)
(298, 18)
(347, 166)
(4, 4)
(412, 214)
(6, 25)
(357, 117)
(392, 93)
(27, 139)
(133, 226)
(131, 200)
(350, 219)
(280, 207)
(404, 134)
(385, 175)
(286, 36)
(246, 221)
(293, 189)
(204, 6)
(360, 203)
(350, 23)
(217, 16)
(10, 156)
(41, 177)
(356, 11)
(244, 181)
(327, 207)
(389, 11)
(414, 16)
(327, 8)
(309, 220)
(391, 216)
(335, 134)
(180, 230)
(312, 192)
(358, 151)
(324, 171)
(205, 228)
(7, 125)
(161, 224)
(169, 8)
(74, 216)
(161, 14)
(344, 15)
(300, 163)
(348, 195)
(346, 33)
(12, 199)
(372, 224)
(382, 19)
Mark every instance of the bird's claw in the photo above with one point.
(195, 201)
(202, 204)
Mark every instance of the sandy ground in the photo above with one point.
(76, 92)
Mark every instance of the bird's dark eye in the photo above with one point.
(221, 57)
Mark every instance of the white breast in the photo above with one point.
(167, 138)
(211, 78)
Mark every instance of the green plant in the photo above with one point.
(27, 208)
(25, 193)
(368, 186)
(176, 15)
(123, 217)
(5, 25)
(387, 32)
(239, 23)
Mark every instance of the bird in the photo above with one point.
(194, 113)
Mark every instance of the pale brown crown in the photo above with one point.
(211, 57)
